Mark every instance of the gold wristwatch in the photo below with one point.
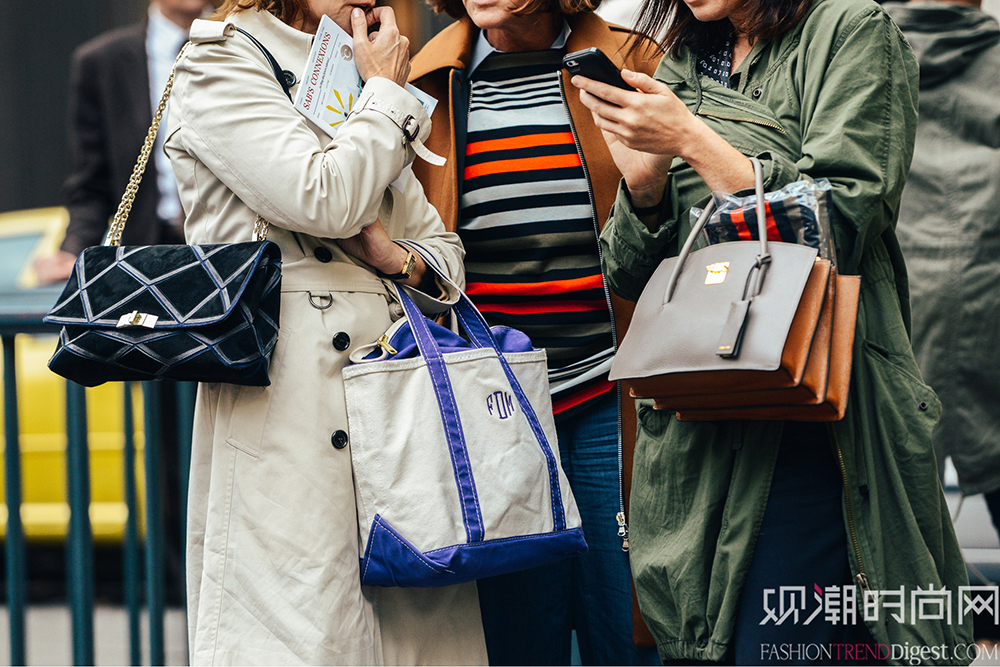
(406, 271)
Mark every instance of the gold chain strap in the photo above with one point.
(260, 229)
(121, 215)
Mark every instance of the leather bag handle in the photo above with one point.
(763, 258)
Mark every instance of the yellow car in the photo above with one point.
(41, 397)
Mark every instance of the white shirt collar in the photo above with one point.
(164, 39)
(164, 31)
(483, 48)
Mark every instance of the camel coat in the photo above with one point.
(272, 556)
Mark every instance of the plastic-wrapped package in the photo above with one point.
(800, 213)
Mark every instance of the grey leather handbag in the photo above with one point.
(732, 317)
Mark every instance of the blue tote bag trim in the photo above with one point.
(431, 353)
(391, 560)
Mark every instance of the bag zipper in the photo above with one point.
(620, 519)
(744, 119)
(861, 579)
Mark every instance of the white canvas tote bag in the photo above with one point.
(456, 465)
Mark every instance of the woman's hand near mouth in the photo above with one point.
(385, 52)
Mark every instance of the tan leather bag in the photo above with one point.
(791, 405)
(811, 380)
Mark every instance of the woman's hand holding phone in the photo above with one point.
(647, 128)
(633, 126)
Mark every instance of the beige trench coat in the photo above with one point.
(273, 561)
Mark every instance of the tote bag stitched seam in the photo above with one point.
(542, 440)
(420, 557)
(449, 395)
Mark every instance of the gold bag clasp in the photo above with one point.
(137, 319)
(717, 273)
(383, 342)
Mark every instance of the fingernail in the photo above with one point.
(357, 13)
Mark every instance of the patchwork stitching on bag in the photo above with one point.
(239, 337)
(420, 556)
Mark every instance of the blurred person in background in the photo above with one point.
(620, 12)
(949, 230)
(116, 82)
(528, 184)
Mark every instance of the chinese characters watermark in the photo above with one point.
(839, 605)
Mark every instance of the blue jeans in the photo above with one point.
(528, 616)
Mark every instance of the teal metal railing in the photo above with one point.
(154, 521)
(80, 542)
(14, 543)
(16, 319)
(130, 548)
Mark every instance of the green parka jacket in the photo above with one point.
(835, 97)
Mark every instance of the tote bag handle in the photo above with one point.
(481, 336)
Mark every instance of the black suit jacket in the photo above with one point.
(110, 114)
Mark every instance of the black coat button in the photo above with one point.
(922, 406)
(757, 93)
(323, 254)
(339, 439)
(341, 341)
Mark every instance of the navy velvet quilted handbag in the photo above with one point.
(200, 313)
(169, 312)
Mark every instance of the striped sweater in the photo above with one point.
(527, 223)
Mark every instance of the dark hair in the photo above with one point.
(456, 8)
(759, 19)
(287, 11)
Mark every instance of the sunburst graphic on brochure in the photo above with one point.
(344, 109)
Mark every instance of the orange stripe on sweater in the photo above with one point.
(529, 289)
(538, 307)
(513, 143)
(522, 164)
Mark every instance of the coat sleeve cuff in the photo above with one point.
(434, 304)
(405, 111)
(779, 171)
(445, 294)
(633, 251)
